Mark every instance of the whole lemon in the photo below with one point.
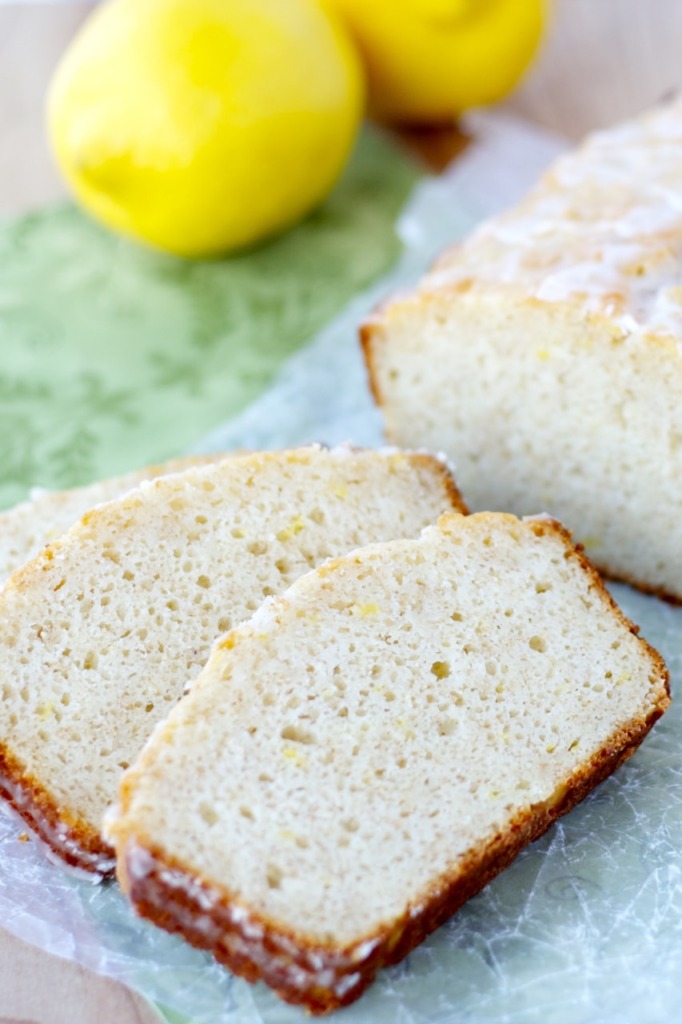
(428, 60)
(199, 126)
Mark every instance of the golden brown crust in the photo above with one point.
(367, 331)
(70, 839)
(439, 465)
(645, 588)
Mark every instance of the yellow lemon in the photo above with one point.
(428, 60)
(199, 126)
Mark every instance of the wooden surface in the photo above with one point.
(44, 989)
(602, 60)
(31, 41)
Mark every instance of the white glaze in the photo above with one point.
(603, 226)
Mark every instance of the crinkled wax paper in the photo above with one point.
(586, 925)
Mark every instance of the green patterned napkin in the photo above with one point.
(114, 356)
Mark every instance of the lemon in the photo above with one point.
(199, 126)
(428, 60)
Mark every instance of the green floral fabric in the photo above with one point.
(113, 356)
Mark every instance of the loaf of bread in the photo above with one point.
(371, 748)
(101, 633)
(544, 354)
(28, 527)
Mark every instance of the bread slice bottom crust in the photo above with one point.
(70, 839)
(324, 979)
(487, 484)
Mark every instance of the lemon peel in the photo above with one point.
(200, 126)
(429, 60)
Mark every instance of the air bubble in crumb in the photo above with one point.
(297, 734)
(537, 643)
(208, 813)
(440, 669)
(274, 876)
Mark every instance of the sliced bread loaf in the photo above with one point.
(100, 634)
(28, 527)
(544, 354)
(373, 747)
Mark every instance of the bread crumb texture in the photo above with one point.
(543, 354)
(103, 631)
(28, 527)
(351, 766)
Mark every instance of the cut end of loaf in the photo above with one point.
(542, 409)
(543, 353)
(356, 762)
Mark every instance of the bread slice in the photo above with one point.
(371, 748)
(544, 354)
(28, 527)
(100, 634)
